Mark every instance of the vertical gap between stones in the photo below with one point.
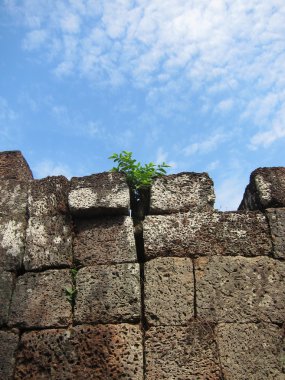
(195, 289)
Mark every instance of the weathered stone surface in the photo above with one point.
(169, 291)
(48, 196)
(251, 351)
(184, 353)
(8, 345)
(6, 287)
(239, 289)
(14, 166)
(181, 192)
(266, 189)
(12, 241)
(276, 219)
(49, 242)
(199, 234)
(108, 294)
(102, 352)
(99, 194)
(13, 197)
(107, 240)
(39, 300)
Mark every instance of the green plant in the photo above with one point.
(70, 292)
(138, 176)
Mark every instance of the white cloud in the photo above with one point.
(49, 168)
(229, 194)
(6, 112)
(205, 146)
(35, 39)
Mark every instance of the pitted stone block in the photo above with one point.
(13, 197)
(205, 234)
(48, 196)
(266, 189)
(239, 289)
(6, 287)
(12, 241)
(99, 194)
(169, 291)
(182, 192)
(8, 345)
(102, 352)
(276, 219)
(39, 300)
(14, 166)
(186, 353)
(49, 242)
(251, 351)
(108, 294)
(106, 240)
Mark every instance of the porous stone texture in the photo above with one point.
(184, 353)
(181, 192)
(108, 294)
(99, 194)
(102, 352)
(276, 219)
(12, 241)
(266, 189)
(48, 242)
(13, 197)
(8, 345)
(48, 196)
(206, 234)
(251, 351)
(14, 166)
(239, 289)
(39, 300)
(106, 240)
(169, 291)
(6, 288)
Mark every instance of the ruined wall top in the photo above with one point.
(14, 166)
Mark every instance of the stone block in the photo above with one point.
(12, 241)
(13, 197)
(205, 234)
(169, 291)
(49, 242)
(48, 196)
(39, 300)
(266, 189)
(102, 352)
(14, 166)
(182, 192)
(184, 353)
(99, 194)
(251, 351)
(108, 294)
(276, 219)
(6, 288)
(106, 240)
(239, 289)
(8, 345)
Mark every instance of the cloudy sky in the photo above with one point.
(199, 84)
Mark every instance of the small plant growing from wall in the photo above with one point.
(139, 177)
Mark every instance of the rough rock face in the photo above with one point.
(14, 166)
(13, 197)
(182, 352)
(107, 240)
(6, 287)
(207, 234)
(39, 300)
(8, 345)
(251, 351)
(240, 289)
(169, 291)
(182, 192)
(108, 294)
(102, 352)
(266, 189)
(276, 219)
(99, 194)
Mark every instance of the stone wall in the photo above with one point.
(189, 293)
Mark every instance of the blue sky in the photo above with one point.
(199, 84)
